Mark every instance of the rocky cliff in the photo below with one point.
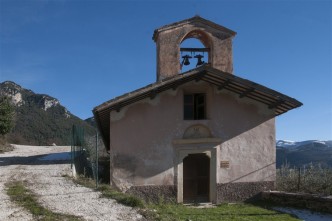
(39, 118)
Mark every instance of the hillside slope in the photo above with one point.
(297, 154)
(39, 118)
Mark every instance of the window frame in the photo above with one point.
(194, 109)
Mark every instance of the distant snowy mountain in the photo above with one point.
(304, 152)
(307, 143)
(286, 143)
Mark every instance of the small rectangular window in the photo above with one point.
(194, 107)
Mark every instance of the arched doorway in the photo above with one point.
(196, 178)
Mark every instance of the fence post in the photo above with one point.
(72, 147)
(71, 155)
(96, 160)
(299, 180)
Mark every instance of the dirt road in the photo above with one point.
(43, 168)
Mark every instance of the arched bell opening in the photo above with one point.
(196, 178)
(194, 50)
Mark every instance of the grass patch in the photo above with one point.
(120, 197)
(87, 182)
(177, 212)
(108, 192)
(225, 212)
(22, 196)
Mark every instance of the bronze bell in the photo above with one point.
(186, 60)
(199, 60)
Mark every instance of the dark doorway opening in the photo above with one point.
(196, 178)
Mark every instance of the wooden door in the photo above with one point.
(196, 178)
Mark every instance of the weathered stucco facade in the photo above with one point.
(224, 152)
(148, 144)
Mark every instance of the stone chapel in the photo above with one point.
(202, 135)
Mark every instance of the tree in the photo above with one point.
(6, 115)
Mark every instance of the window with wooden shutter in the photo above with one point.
(194, 107)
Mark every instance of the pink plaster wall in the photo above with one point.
(141, 137)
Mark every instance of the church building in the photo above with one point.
(201, 135)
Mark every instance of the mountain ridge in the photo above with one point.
(294, 144)
(298, 154)
(40, 119)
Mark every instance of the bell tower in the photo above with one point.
(217, 41)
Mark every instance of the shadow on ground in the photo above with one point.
(43, 159)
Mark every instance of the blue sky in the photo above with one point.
(87, 52)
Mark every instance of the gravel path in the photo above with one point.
(43, 169)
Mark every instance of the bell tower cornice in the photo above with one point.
(195, 20)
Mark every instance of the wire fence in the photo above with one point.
(311, 178)
(84, 154)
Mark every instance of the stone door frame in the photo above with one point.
(183, 151)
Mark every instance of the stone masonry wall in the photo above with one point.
(168, 49)
(302, 200)
(154, 194)
(242, 191)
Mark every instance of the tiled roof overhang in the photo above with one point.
(223, 81)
